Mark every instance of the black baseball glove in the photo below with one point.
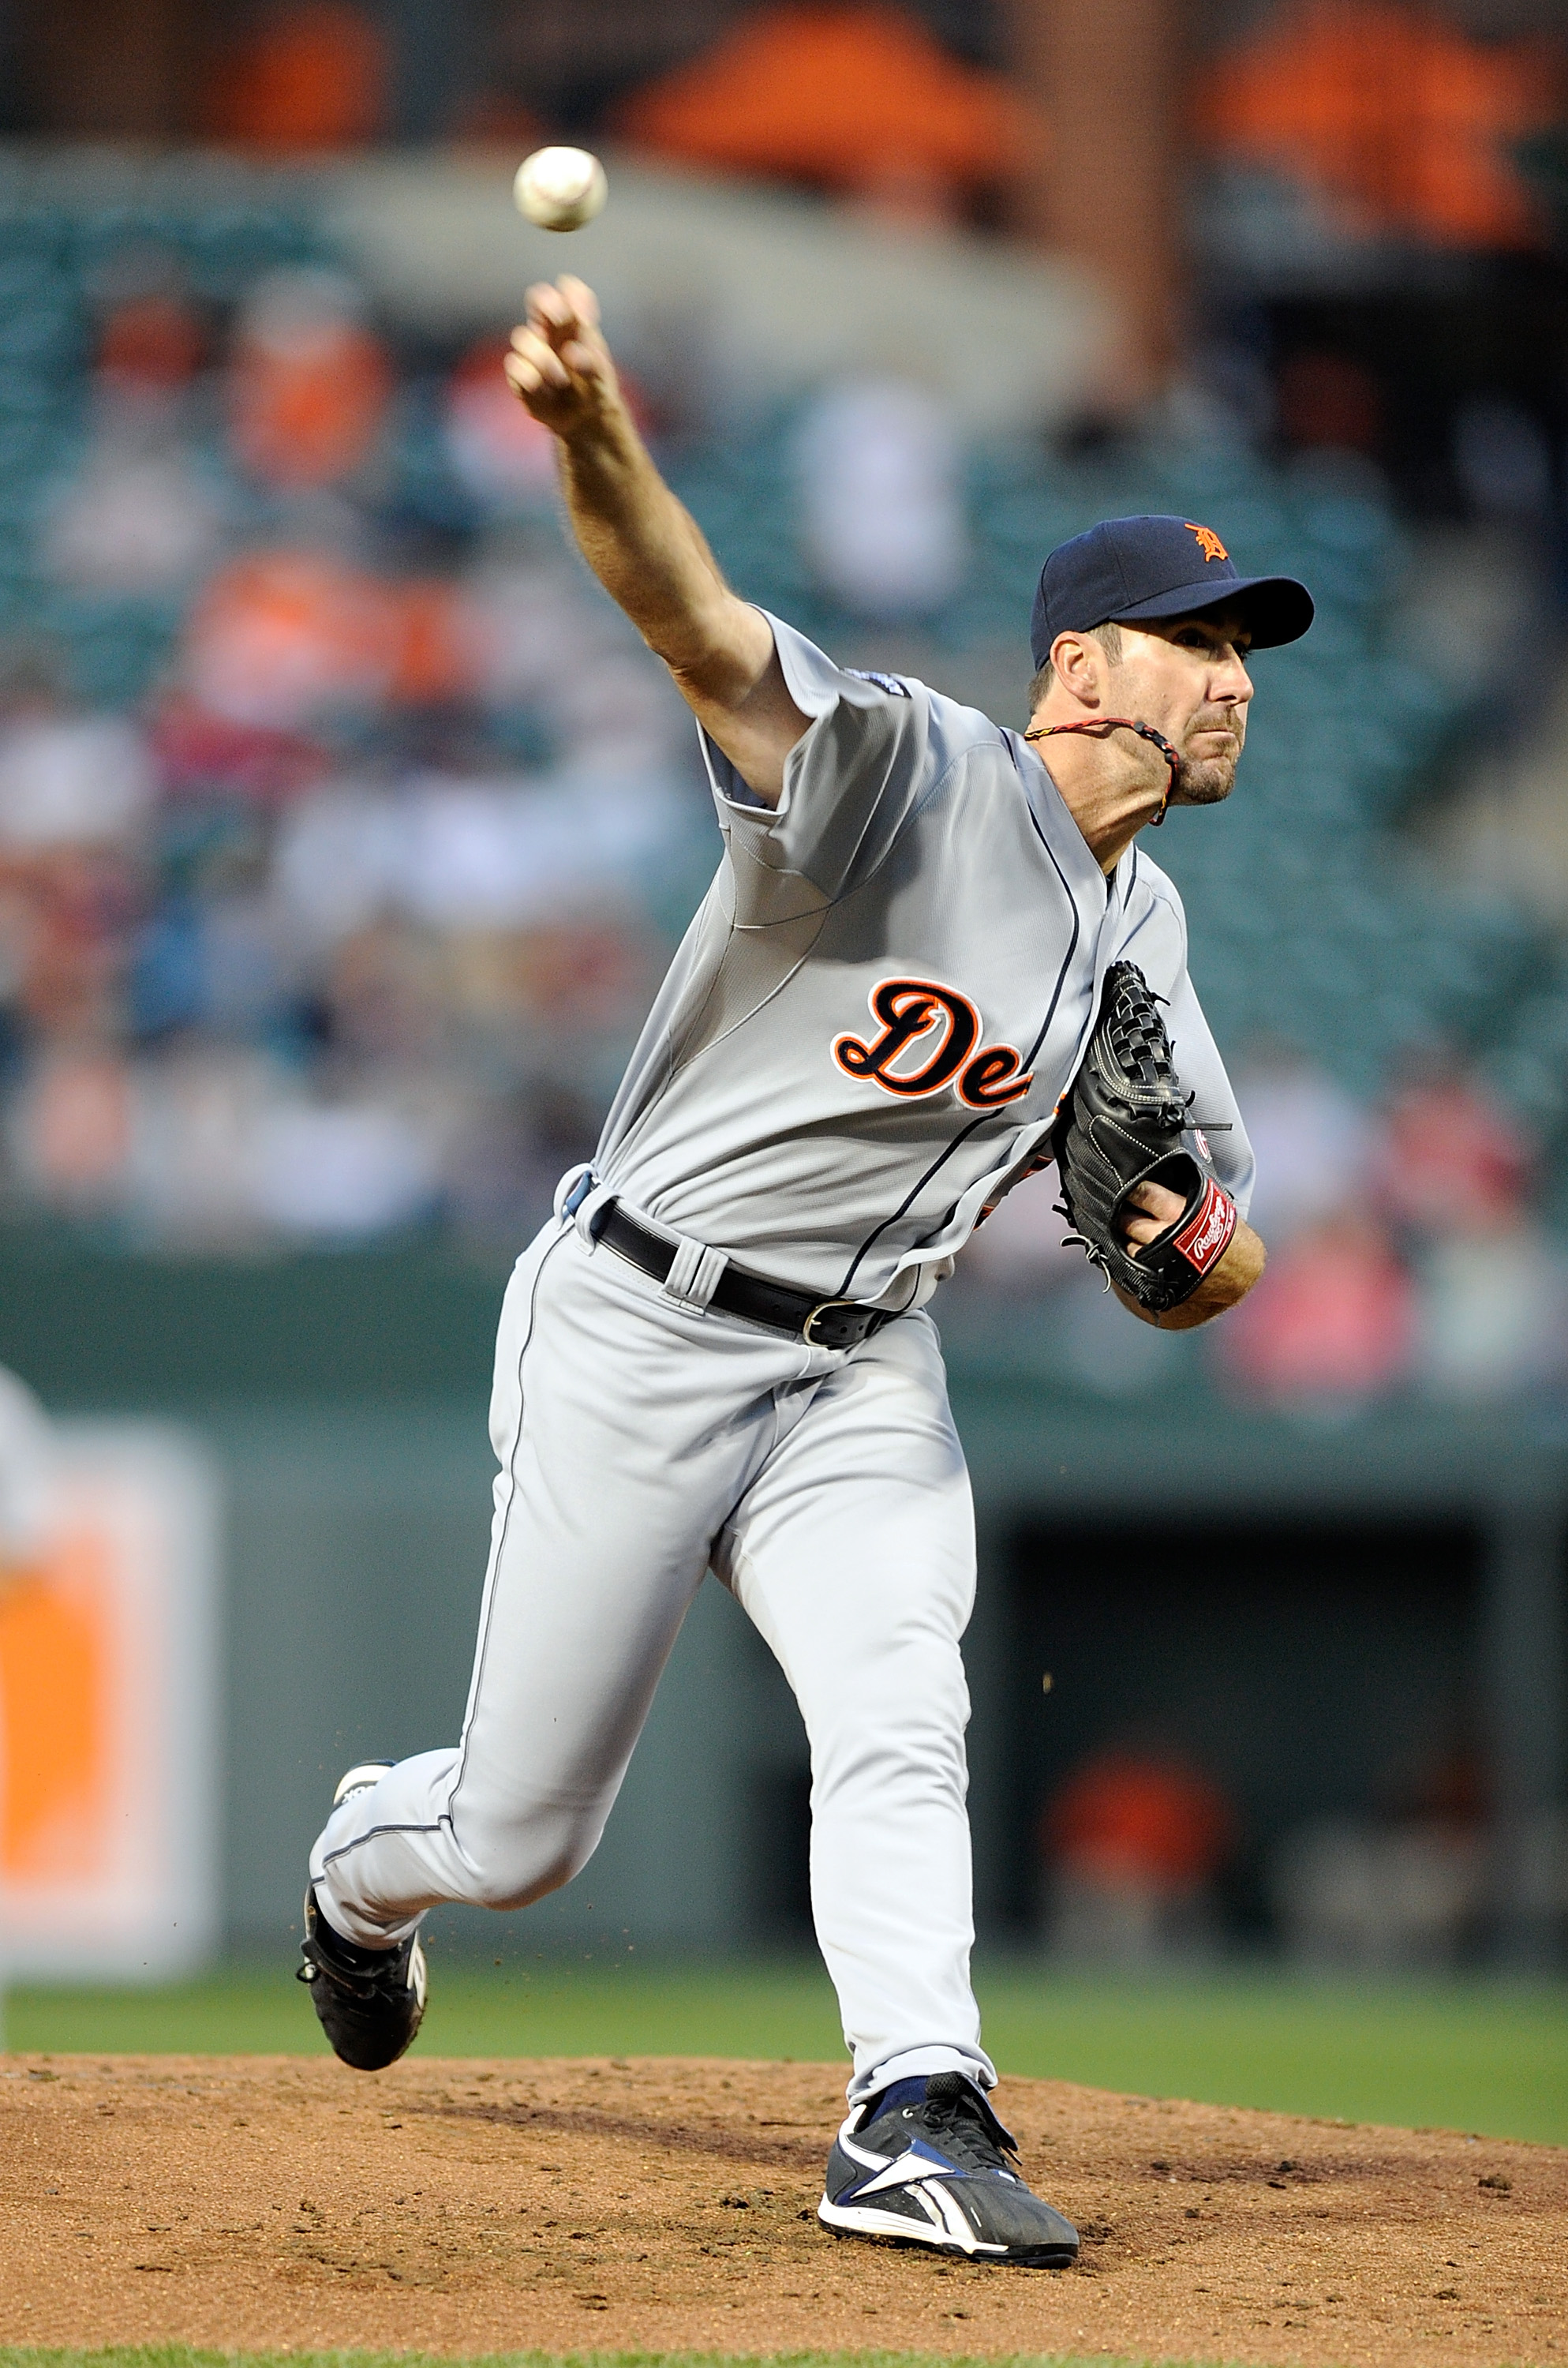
(1126, 1122)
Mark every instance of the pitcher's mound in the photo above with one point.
(669, 2206)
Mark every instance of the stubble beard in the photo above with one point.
(1204, 781)
(1208, 780)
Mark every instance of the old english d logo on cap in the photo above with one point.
(1209, 542)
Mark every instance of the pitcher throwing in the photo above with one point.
(716, 1355)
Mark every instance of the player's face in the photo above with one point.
(1187, 676)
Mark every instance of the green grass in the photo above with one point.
(1487, 2056)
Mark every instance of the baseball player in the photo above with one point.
(933, 958)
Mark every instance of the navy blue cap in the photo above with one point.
(1130, 568)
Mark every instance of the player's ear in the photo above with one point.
(1078, 661)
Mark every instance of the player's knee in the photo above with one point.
(892, 1764)
(517, 1869)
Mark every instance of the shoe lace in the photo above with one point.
(964, 2125)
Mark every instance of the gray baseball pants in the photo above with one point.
(641, 1441)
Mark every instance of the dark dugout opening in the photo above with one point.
(1308, 1670)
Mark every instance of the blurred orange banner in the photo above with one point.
(108, 1729)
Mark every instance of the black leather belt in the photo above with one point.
(821, 1323)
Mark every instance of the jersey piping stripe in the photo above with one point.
(908, 1201)
(565, 1235)
(332, 1857)
(963, 1134)
(446, 1818)
(675, 1063)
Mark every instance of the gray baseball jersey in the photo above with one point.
(868, 1029)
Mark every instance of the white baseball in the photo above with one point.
(560, 188)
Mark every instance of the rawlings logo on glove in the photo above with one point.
(1207, 1236)
(1124, 1123)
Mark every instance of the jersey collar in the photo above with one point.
(1058, 825)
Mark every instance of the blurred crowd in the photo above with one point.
(345, 921)
(346, 827)
(1406, 1247)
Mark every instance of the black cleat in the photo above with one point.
(370, 2002)
(928, 2163)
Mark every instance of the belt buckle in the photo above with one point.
(822, 1307)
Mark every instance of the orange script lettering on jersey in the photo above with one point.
(910, 1010)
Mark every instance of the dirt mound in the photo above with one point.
(668, 2205)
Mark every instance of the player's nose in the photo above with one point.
(1232, 685)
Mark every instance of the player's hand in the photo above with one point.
(1161, 1207)
(559, 365)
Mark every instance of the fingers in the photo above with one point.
(546, 307)
(1157, 1200)
(553, 384)
(533, 362)
(584, 361)
(521, 377)
(559, 343)
(581, 298)
(562, 308)
(1160, 1209)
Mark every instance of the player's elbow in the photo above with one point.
(717, 646)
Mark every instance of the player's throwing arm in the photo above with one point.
(644, 546)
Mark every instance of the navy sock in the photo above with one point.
(352, 1955)
(893, 2098)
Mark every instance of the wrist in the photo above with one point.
(604, 433)
(1229, 1279)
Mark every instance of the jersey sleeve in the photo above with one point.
(1202, 1075)
(858, 771)
(1159, 945)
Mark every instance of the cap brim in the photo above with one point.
(1276, 608)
